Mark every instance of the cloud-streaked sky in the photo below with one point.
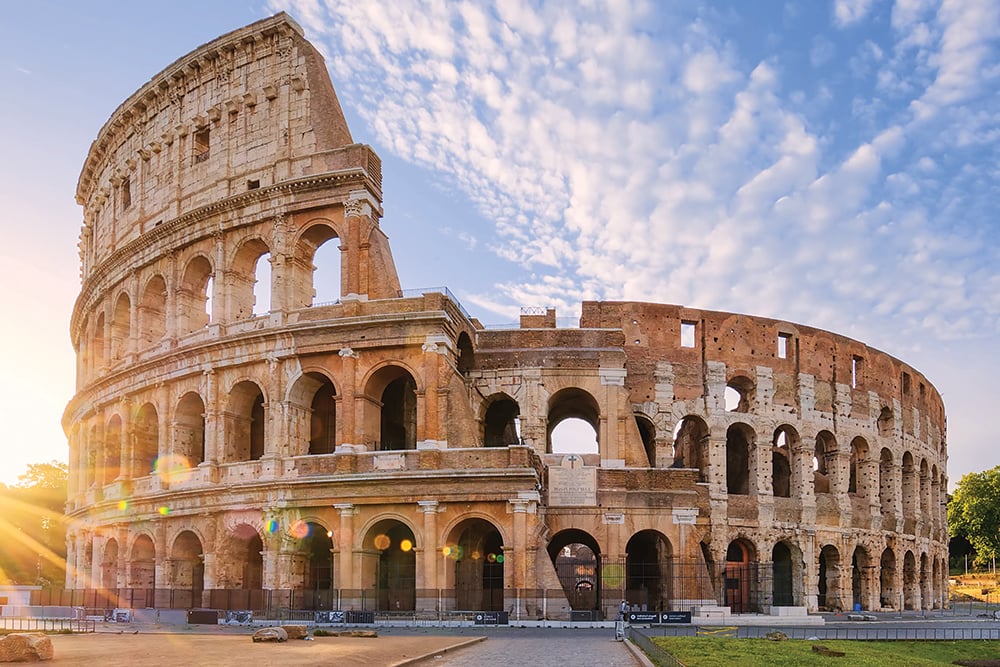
(827, 163)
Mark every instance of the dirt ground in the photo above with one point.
(140, 650)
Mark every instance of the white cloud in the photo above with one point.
(847, 12)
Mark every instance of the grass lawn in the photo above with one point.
(715, 651)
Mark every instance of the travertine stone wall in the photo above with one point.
(316, 445)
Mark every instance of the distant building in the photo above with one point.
(384, 451)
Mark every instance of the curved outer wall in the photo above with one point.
(386, 452)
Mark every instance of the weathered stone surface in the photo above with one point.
(275, 634)
(295, 631)
(25, 647)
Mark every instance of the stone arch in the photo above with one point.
(647, 433)
(476, 547)
(886, 422)
(242, 277)
(501, 421)
(466, 354)
(97, 347)
(784, 568)
(189, 430)
(576, 557)
(886, 485)
(121, 327)
(740, 394)
(911, 582)
(739, 446)
(194, 295)
(242, 560)
(861, 577)
(648, 572)
(828, 593)
(824, 463)
(389, 563)
(888, 595)
(925, 492)
(245, 421)
(112, 464)
(313, 549)
(153, 312)
(391, 410)
(142, 564)
(858, 482)
(573, 403)
(740, 576)
(146, 441)
(186, 568)
(910, 493)
(691, 436)
(317, 255)
(109, 565)
(313, 400)
(781, 461)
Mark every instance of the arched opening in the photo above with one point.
(781, 576)
(861, 568)
(249, 281)
(189, 430)
(781, 469)
(911, 590)
(112, 450)
(466, 355)
(323, 417)
(393, 567)
(647, 570)
(194, 296)
(887, 580)
(142, 567)
(245, 422)
(501, 423)
(326, 271)
(476, 547)
(146, 441)
(858, 482)
(187, 568)
(120, 327)
(398, 428)
(573, 421)
(246, 565)
(109, 567)
(153, 312)
(97, 344)
(911, 494)
(576, 558)
(925, 492)
(739, 394)
(741, 576)
(647, 432)
(823, 460)
(828, 586)
(926, 594)
(315, 551)
(691, 445)
(886, 486)
(739, 440)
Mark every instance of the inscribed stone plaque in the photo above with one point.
(572, 484)
(390, 462)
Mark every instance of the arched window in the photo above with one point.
(189, 430)
(121, 327)
(647, 432)
(739, 394)
(153, 313)
(391, 415)
(501, 424)
(739, 440)
(146, 441)
(249, 281)
(194, 297)
(573, 421)
(245, 423)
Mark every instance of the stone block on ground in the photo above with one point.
(276, 634)
(25, 647)
(295, 631)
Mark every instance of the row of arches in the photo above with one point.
(208, 288)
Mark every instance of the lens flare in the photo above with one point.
(382, 542)
(172, 468)
(163, 510)
(446, 551)
(299, 529)
(405, 545)
(613, 575)
(122, 505)
(271, 526)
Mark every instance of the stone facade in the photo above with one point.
(387, 452)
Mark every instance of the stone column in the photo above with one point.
(346, 405)
(344, 556)
(428, 583)
(518, 577)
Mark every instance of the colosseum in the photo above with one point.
(237, 443)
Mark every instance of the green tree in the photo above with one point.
(974, 512)
(33, 527)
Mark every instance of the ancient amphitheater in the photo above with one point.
(385, 452)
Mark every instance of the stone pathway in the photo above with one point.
(548, 648)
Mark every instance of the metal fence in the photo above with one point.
(75, 625)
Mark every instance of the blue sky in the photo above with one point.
(828, 163)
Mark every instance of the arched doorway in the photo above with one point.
(576, 558)
(691, 445)
(315, 550)
(887, 579)
(391, 413)
(500, 422)
(573, 422)
(739, 442)
(781, 576)
(109, 567)
(187, 569)
(828, 586)
(741, 577)
(647, 570)
(142, 571)
(393, 567)
(476, 547)
(911, 591)
(860, 571)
